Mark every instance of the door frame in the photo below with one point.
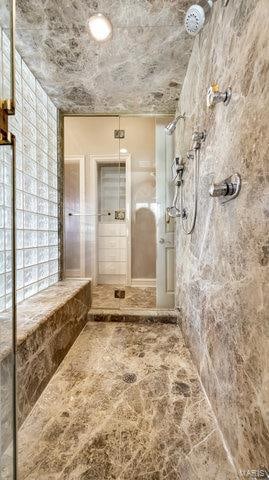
(80, 159)
(95, 160)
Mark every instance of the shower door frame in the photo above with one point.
(95, 160)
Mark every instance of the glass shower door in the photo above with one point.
(8, 466)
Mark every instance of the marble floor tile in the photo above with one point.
(125, 403)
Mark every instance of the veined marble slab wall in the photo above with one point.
(35, 127)
(222, 268)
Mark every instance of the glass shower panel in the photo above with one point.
(138, 145)
(7, 257)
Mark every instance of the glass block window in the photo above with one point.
(35, 127)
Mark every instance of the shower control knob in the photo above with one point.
(161, 241)
(218, 190)
(227, 190)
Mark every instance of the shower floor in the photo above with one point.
(135, 297)
(125, 404)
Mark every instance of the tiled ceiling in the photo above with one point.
(139, 70)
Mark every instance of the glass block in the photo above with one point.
(53, 223)
(53, 209)
(43, 270)
(19, 219)
(28, 112)
(7, 196)
(42, 173)
(30, 220)
(7, 174)
(52, 166)
(19, 238)
(41, 124)
(30, 184)
(53, 181)
(42, 254)
(42, 238)
(41, 158)
(53, 253)
(30, 166)
(2, 304)
(30, 257)
(42, 142)
(41, 111)
(30, 203)
(29, 131)
(19, 259)
(53, 195)
(41, 95)
(20, 295)
(52, 110)
(43, 222)
(28, 76)
(53, 238)
(30, 275)
(43, 284)
(2, 194)
(2, 285)
(19, 160)
(19, 199)
(8, 261)
(30, 290)
(7, 217)
(52, 124)
(42, 190)
(30, 239)
(19, 180)
(2, 217)
(53, 279)
(29, 148)
(8, 283)
(53, 267)
(2, 262)
(2, 239)
(8, 301)
(43, 206)
(28, 94)
(19, 279)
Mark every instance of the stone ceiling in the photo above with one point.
(139, 70)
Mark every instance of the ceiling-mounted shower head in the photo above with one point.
(170, 128)
(196, 16)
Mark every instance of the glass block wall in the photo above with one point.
(35, 127)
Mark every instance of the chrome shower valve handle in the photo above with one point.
(226, 190)
(214, 95)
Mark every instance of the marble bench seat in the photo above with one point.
(47, 325)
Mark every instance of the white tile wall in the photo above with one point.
(35, 127)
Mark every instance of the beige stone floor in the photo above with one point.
(135, 297)
(125, 404)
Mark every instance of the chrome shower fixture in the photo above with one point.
(170, 128)
(197, 15)
(214, 95)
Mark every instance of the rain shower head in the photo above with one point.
(170, 128)
(196, 16)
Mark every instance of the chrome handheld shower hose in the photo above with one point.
(196, 185)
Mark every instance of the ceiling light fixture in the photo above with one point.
(100, 27)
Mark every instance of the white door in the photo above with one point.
(165, 262)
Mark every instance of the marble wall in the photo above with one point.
(222, 268)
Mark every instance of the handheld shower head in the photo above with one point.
(170, 128)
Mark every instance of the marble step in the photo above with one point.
(134, 316)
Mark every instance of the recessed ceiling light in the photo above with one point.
(100, 27)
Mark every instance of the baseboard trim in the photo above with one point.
(143, 282)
